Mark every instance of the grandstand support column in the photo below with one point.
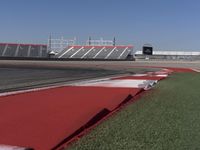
(4, 51)
(29, 51)
(40, 53)
(17, 50)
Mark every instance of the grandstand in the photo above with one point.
(96, 52)
(65, 49)
(23, 50)
(168, 55)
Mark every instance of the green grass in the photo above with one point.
(168, 118)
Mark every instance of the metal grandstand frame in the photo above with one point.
(100, 42)
(58, 44)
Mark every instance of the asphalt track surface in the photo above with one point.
(113, 65)
(25, 78)
(21, 75)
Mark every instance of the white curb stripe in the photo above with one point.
(144, 84)
(8, 147)
(196, 70)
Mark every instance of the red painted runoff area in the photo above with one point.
(43, 119)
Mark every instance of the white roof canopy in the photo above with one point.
(181, 53)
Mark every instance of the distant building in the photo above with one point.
(169, 55)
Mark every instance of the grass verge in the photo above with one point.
(168, 117)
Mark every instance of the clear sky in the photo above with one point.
(166, 24)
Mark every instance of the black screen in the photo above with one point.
(147, 50)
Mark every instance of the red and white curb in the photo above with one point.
(8, 147)
(126, 83)
(144, 83)
(107, 82)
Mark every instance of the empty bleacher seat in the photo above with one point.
(94, 52)
(23, 51)
(44, 51)
(69, 53)
(125, 54)
(10, 50)
(34, 51)
(2, 48)
(104, 53)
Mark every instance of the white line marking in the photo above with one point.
(122, 53)
(17, 50)
(66, 52)
(99, 52)
(131, 83)
(139, 75)
(28, 91)
(5, 49)
(87, 52)
(110, 53)
(76, 52)
(8, 147)
(161, 75)
(196, 70)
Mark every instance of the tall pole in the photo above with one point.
(89, 42)
(114, 41)
(49, 46)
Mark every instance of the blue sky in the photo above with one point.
(166, 24)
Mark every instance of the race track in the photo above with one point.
(76, 97)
